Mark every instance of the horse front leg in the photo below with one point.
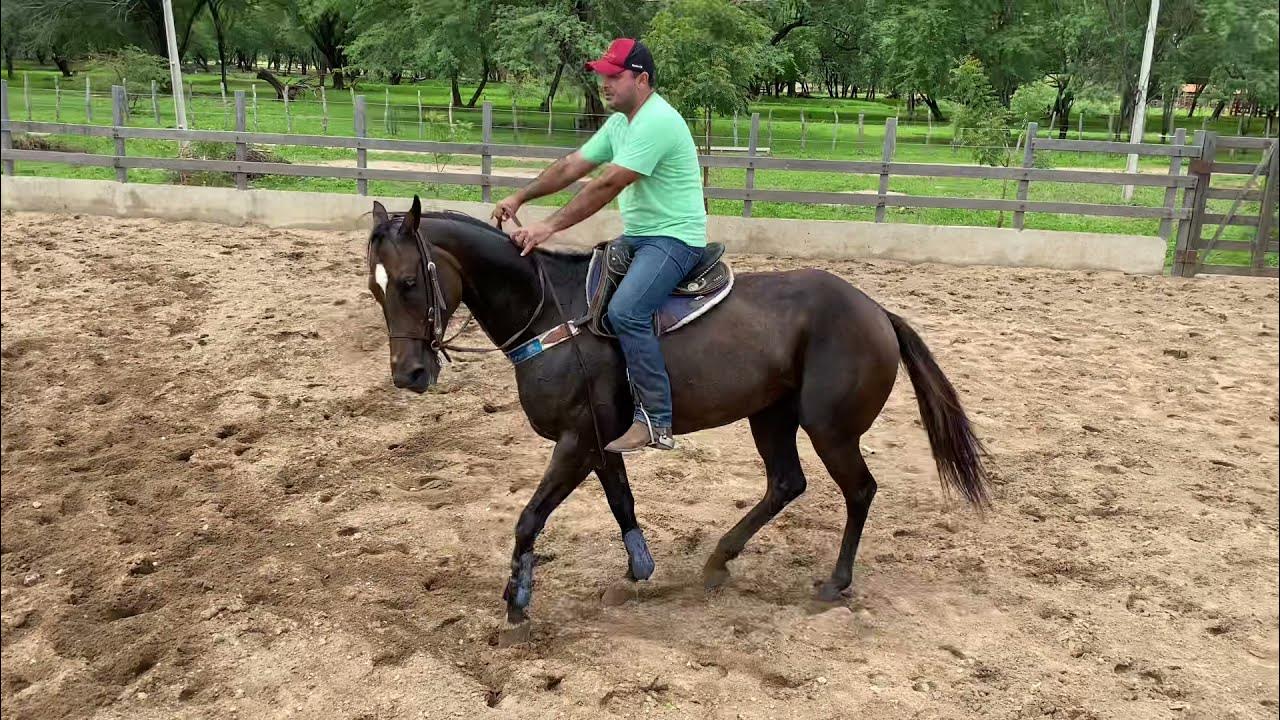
(569, 467)
(613, 478)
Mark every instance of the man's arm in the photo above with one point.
(595, 195)
(559, 176)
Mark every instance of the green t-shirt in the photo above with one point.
(667, 199)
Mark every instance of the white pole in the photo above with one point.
(1140, 104)
(175, 66)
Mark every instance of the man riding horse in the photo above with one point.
(652, 168)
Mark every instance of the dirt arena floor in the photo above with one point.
(215, 505)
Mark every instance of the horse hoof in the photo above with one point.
(518, 633)
(640, 566)
(829, 592)
(617, 594)
(714, 578)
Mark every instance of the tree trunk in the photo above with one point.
(484, 80)
(1217, 110)
(266, 76)
(1195, 100)
(551, 91)
(454, 91)
(302, 64)
(221, 39)
(63, 65)
(395, 77)
(8, 60)
(934, 110)
(338, 81)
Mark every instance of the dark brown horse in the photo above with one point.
(787, 350)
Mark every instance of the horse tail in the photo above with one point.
(957, 452)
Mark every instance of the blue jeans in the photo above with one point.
(659, 264)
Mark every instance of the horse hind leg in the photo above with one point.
(843, 460)
(774, 430)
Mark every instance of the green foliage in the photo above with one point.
(135, 65)
(984, 122)
(708, 54)
(1033, 102)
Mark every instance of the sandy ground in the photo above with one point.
(216, 505)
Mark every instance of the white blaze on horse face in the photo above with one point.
(380, 275)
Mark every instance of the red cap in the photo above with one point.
(624, 54)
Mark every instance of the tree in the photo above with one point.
(328, 23)
(981, 118)
(922, 42)
(711, 52)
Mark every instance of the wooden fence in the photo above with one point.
(1191, 215)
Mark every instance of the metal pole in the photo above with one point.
(57, 100)
(155, 103)
(890, 144)
(486, 160)
(88, 101)
(1140, 105)
(175, 66)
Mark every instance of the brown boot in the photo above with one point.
(638, 437)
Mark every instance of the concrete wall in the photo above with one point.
(828, 239)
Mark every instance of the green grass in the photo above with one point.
(392, 112)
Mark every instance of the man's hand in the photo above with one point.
(506, 209)
(531, 236)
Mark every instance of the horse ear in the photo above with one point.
(380, 214)
(415, 215)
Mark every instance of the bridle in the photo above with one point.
(433, 329)
(433, 333)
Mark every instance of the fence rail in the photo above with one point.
(1191, 215)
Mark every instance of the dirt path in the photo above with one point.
(215, 505)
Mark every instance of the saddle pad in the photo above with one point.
(678, 310)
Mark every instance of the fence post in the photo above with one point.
(420, 114)
(515, 122)
(117, 120)
(88, 101)
(242, 147)
(861, 116)
(752, 140)
(1188, 202)
(362, 155)
(155, 103)
(386, 110)
(1185, 252)
(928, 133)
(1171, 192)
(57, 100)
(254, 88)
(551, 111)
(222, 89)
(735, 128)
(6, 136)
(835, 130)
(191, 105)
(486, 160)
(886, 156)
(1111, 126)
(1024, 185)
(1263, 236)
(771, 130)
(804, 130)
(288, 117)
(324, 112)
(128, 116)
(26, 94)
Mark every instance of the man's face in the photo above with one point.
(622, 91)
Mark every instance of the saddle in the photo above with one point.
(702, 289)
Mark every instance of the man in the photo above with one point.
(651, 166)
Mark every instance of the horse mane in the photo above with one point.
(475, 222)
